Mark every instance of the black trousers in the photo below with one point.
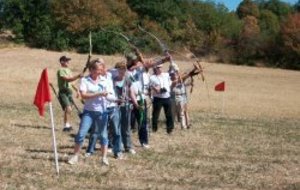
(158, 103)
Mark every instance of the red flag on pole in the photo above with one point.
(42, 94)
(220, 86)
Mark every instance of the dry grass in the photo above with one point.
(254, 145)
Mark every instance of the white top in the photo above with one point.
(88, 85)
(111, 97)
(146, 80)
(136, 87)
(163, 81)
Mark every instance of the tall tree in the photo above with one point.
(82, 15)
(279, 8)
(247, 8)
(30, 20)
(290, 31)
(297, 6)
(249, 41)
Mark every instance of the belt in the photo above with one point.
(180, 94)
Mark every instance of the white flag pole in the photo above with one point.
(223, 102)
(54, 139)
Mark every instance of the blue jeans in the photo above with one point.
(125, 127)
(88, 119)
(114, 126)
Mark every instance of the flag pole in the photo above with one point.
(54, 139)
(223, 102)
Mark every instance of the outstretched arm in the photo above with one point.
(72, 78)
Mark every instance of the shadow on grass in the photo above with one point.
(46, 155)
(32, 126)
(49, 158)
(49, 151)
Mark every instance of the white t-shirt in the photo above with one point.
(163, 81)
(98, 103)
(136, 87)
(146, 81)
(111, 97)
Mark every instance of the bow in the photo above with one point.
(200, 67)
(129, 42)
(163, 47)
(90, 53)
(198, 63)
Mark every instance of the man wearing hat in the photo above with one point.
(136, 77)
(64, 79)
(160, 84)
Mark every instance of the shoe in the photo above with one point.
(154, 130)
(119, 156)
(133, 130)
(169, 131)
(131, 151)
(67, 129)
(88, 154)
(105, 161)
(73, 160)
(109, 150)
(145, 146)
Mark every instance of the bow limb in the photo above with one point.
(198, 64)
(192, 85)
(163, 47)
(130, 43)
(90, 53)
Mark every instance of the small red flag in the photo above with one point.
(220, 86)
(42, 94)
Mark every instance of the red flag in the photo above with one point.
(42, 94)
(220, 86)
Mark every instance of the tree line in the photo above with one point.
(260, 31)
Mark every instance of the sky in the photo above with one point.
(232, 4)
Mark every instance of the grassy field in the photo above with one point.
(254, 144)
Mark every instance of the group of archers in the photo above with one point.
(116, 99)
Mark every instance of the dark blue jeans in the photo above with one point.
(125, 126)
(141, 118)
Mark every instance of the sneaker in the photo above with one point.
(105, 161)
(109, 150)
(73, 160)
(67, 129)
(88, 154)
(119, 156)
(145, 146)
(184, 127)
(131, 151)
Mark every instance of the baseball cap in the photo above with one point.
(64, 59)
(131, 57)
